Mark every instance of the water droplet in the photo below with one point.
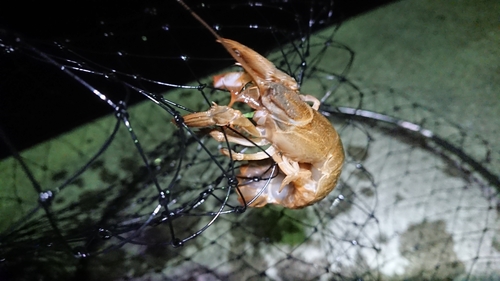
(45, 196)
(104, 233)
(177, 243)
(166, 27)
(60, 46)
(144, 38)
(80, 254)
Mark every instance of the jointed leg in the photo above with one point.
(314, 100)
(251, 156)
(291, 169)
(221, 137)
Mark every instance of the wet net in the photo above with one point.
(135, 194)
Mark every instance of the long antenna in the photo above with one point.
(198, 18)
(221, 40)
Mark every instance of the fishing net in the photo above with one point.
(136, 194)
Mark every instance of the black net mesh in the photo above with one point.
(136, 194)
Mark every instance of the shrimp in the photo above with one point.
(303, 143)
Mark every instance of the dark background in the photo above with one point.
(38, 101)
